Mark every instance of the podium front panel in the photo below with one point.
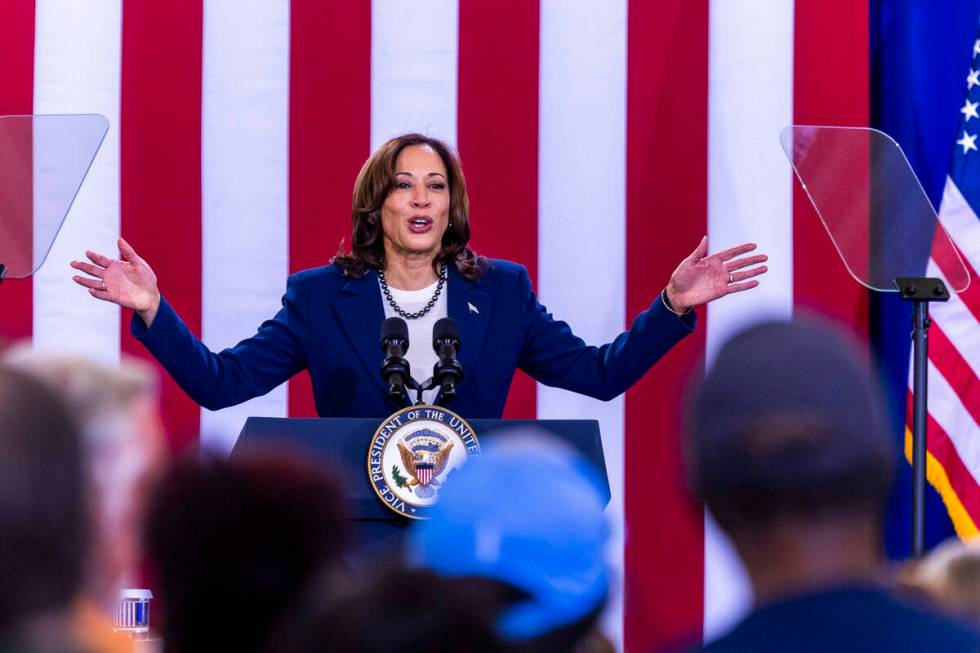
(341, 445)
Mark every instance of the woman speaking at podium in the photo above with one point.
(409, 258)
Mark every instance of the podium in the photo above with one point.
(340, 445)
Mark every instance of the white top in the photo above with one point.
(421, 356)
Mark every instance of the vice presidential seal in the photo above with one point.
(413, 453)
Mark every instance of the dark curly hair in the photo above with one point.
(235, 542)
(375, 181)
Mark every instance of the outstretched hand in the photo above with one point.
(700, 278)
(129, 281)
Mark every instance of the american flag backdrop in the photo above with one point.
(953, 424)
(600, 141)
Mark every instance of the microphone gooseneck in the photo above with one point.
(447, 371)
(395, 369)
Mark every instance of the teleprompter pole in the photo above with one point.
(920, 385)
(920, 291)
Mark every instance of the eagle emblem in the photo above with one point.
(425, 455)
(413, 454)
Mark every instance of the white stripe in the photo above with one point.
(952, 416)
(77, 70)
(750, 98)
(726, 581)
(413, 68)
(580, 181)
(957, 322)
(961, 223)
(245, 210)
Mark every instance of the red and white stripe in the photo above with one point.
(953, 441)
(17, 97)
(581, 225)
(599, 144)
(750, 91)
(245, 226)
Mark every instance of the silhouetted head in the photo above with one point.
(235, 542)
(788, 422)
(43, 515)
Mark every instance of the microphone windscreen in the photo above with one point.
(394, 328)
(445, 329)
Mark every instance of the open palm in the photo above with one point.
(700, 278)
(128, 281)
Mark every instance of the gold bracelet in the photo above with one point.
(663, 298)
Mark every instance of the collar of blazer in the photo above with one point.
(360, 310)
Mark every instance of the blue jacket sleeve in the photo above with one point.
(251, 368)
(555, 356)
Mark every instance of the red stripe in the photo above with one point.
(329, 136)
(666, 177)
(942, 449)
(16, 97)
(498, 140)
(954, 368)
(951, 267)
(160, 169)
(831, 87)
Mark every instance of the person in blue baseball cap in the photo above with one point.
(527, 513)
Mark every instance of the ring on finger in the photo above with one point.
(731, 277)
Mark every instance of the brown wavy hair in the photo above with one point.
(375, 181)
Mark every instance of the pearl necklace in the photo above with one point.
(428, 307)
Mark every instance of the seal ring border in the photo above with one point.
(378, 430)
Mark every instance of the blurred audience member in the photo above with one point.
(393, 609)
(789, 449)
(43, 521)
(525, 516)
(949, 577)
(235, 544)
(123, 446)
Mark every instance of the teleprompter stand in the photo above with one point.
(920, 291)
(889, 238)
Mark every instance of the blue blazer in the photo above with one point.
(330, 325)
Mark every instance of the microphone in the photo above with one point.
(448, 371)
(395, 369)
